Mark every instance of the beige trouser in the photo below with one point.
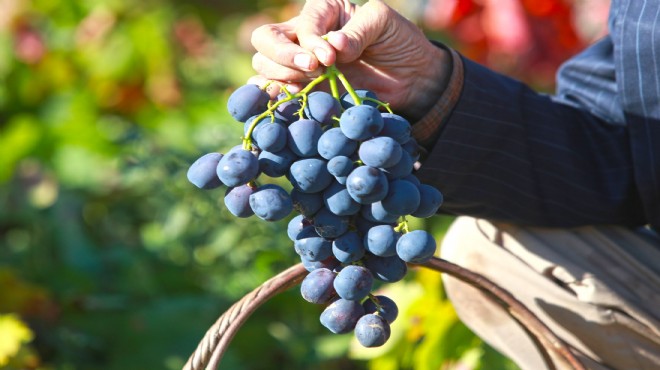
(598, 288)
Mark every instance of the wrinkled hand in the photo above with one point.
(373, 45)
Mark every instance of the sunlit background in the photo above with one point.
(110, 259)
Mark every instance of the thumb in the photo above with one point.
(369, 24)
(317, 17)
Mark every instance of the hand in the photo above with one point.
(373, 45)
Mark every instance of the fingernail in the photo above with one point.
(334, 38)
(293, 88)
(303, 61)
(321, 55)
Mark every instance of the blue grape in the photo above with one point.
(321, 107)
(381, 151)
(367, 184)
(263, 122)
(386, 308)
(312, 247)
(287, 112)
(237, 167)
(329, 263)
(303, 137)
(317, 287)
(271, 203)
(310, 175)
(333, 143)
(329, 225)
(402, 198)
(306, 203)
(202, 173)
(237, 200)
(272, 137)
(247, 101)
(341, 316)
(417, 246)
(346, 100)
(412, 178)
(296, 225)
(381, 240)
(372, 330)
(276, 164)
(387, 269)
(400, 170)
(412, 148)
(396, 127)
(353, 283)
(363, 225)
(430, 201)
(340, 166)
(338, 201)
(361, 122)
(376, 213)
(348, 248)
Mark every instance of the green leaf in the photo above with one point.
(17, 140)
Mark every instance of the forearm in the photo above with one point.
(507, 153)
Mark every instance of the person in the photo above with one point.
(557, 196)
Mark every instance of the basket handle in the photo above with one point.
(212, 347)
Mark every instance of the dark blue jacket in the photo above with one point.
(588, 155)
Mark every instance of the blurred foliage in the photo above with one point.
(109, 258)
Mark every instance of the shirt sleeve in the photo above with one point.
(501, 151)
(426, 130)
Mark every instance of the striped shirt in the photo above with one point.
(590, 154)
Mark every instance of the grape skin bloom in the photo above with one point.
(417, 246)
(341, 316)
(367, 185)
(317, 287)
(372, 330)
(271, 203)
(353, 282)
(202, 173)
(361, 122)
(237, 167)
(247, 101)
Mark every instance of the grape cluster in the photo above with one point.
(350, 163)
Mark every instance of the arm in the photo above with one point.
(507, 153)
(498, 150)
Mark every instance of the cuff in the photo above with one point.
(427, 129)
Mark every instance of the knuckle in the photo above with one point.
(283, 56)
(263, 33)
(379, 8)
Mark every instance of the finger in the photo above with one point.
(276, 71)
(278, 43)
(274, 88)
(368, 25)
(317, 18)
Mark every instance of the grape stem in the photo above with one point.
(331, 74)
(336, 72)
(402, 227)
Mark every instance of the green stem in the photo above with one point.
(247, 140)
(313, 84)
(334, 90)
(380, 103)
(346, 84)
(402, 227)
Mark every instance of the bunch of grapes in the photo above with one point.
(350, 163)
